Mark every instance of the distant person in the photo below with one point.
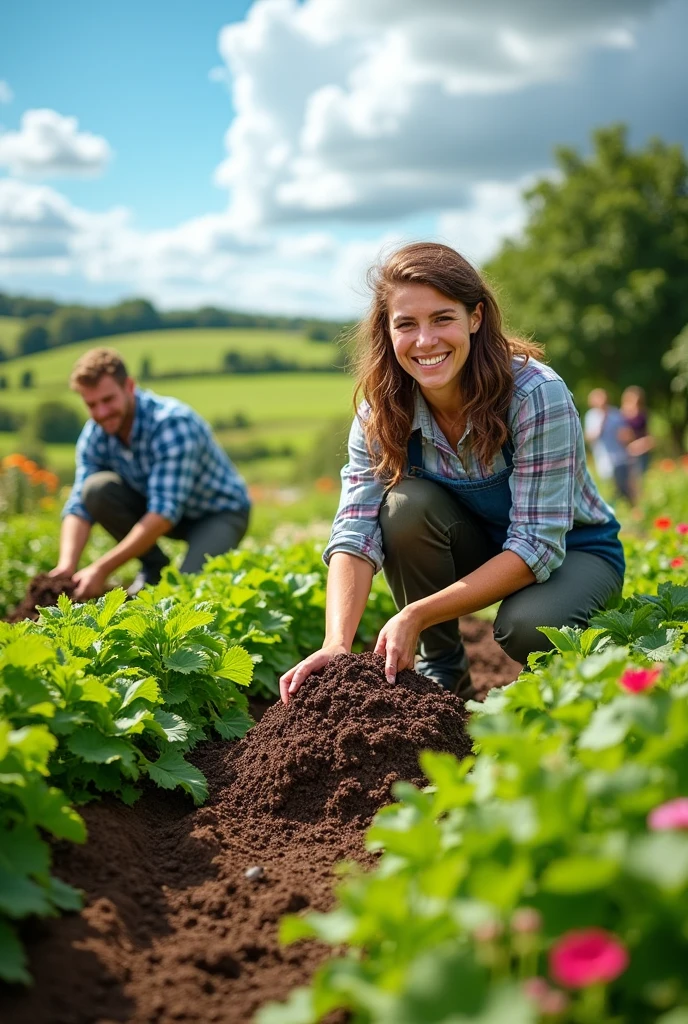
(146, 467)
(634, 411)
(466, 482)
(608, 435)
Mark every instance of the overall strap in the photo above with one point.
(415, 450)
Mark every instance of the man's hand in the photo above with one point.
(63, 569)
(90, 582)
(291, 681)
(398, 640)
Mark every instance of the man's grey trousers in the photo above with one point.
(117, 507)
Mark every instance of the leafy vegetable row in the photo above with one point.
(545, 878)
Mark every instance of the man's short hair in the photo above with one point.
(95, 364)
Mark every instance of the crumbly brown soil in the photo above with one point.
(42, 592)
(173, 929)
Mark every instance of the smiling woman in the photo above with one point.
(466, 481)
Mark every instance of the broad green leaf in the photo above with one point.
(186, 619)
(92, 745)
(23, 851)
(95, 692)
(174, 728)
(659, 645)
(145, 689)
(25, 687)
(171, 770)
(79, 638)
(34, 743)
(136, 625)
(12, 957)
(64, 896)
(19, 896)
(27, 651)
(233, 724)
(49, 808)
(578, 873)
(187, 660)
(298, 1009)
(565, 639)
(237, 666)
(109, 605)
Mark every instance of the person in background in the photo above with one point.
(466, 482)
(608, 435)
(146, 467)
(634, 411)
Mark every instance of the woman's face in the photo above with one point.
(431, 335)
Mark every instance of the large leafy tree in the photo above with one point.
(600, 275)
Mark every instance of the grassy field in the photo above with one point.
(283, 410)
(171, 351)
(10, 326)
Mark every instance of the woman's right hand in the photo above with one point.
(291, 680)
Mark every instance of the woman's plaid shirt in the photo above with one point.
(550, 485)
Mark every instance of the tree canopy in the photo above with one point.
(600, 273)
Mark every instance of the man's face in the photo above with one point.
(109, 403)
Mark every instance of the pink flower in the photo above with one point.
(673, 814)
(676, 563)
(635, 680)
(682, 528)
(549, 1001)
(663, 523)
(588, 956)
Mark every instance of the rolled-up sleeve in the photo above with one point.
(356, 528)
(545, 434)
(175, 457)
(87, 462)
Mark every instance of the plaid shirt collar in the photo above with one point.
(423, 421)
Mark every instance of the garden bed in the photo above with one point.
(183, 904)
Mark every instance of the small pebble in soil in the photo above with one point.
(254, 873)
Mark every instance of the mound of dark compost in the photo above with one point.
(42, 592)
(343, 739)
(183, 904)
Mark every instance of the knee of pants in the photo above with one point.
(404, 511)
(517, 634)
(97, 490)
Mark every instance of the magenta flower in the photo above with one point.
(682, 528)
(635, 680)
(589, 956)
(673, 814)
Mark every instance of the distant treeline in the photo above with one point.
(50, 324)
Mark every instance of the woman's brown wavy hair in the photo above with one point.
(486, 377)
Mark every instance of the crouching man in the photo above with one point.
(146, 466)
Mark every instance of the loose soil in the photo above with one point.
(183, 904)
(42, 592)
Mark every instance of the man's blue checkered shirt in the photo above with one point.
(172, 459)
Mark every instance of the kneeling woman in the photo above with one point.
(466, 481)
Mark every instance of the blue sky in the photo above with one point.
(259, 155)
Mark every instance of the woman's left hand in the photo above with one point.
(398, 640)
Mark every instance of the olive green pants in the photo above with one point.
(117, 507)
(431, 540)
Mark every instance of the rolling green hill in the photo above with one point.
(10, 326)
(284, 411)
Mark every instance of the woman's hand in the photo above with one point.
(291, 680)
(398, 640)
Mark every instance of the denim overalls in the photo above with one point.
(490, 501)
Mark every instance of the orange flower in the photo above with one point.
(667, 465)
(29, 467)
(13, 460)
(52, 481)
(684, 461)
(325, 484)
(663, 523)
(676, 563)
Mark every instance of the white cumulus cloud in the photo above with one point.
(50, 145)
(382, 108)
